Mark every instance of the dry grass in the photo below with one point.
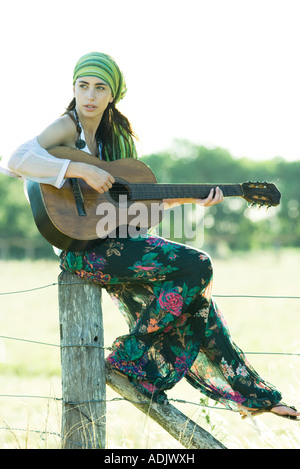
(256, 324)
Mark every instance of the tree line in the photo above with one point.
(229, 226)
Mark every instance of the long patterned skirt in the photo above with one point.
(164, 290)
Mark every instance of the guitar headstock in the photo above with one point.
(261, 193)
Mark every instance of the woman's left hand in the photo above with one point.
(214, 197)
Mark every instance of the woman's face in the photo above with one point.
(92, 96)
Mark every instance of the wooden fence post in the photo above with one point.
(83, 363)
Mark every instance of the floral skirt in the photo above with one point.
(176, 330)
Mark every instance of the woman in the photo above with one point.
(163, 288)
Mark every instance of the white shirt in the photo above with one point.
(31, 161)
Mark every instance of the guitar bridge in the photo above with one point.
(78, 197)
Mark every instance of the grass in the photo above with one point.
(263, 325)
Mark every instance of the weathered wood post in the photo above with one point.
(83, 363)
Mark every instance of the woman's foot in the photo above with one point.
(283, 410)
(280, 409)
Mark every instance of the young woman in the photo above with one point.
(163, 288)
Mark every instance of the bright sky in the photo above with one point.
(216, 72)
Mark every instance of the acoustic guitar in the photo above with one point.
(75, 217)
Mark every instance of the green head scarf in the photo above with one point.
(103, 66)
(96, 64)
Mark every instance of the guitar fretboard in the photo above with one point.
(180, 191)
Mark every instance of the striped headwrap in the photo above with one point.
(97, 64)
(103, 66)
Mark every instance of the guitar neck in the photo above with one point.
(181, 191)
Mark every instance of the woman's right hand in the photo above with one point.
(99, 179)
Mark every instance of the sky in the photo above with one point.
(219, 73)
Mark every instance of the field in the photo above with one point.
(256, 324)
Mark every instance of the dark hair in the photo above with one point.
(112, 118)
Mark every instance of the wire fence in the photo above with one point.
(116, 399)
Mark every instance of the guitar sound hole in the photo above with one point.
(118, 189)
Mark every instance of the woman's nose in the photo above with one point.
(91, 93)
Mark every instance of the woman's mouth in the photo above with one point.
(90, 107)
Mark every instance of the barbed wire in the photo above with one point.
(29, 289)
(102, 347)
(215, 295)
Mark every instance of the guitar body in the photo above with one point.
(75, 217)
(55, 212)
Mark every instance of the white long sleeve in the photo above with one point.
(31, 161)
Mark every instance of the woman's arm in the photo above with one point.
(97, 178)
(213, 198)
(32, 161)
